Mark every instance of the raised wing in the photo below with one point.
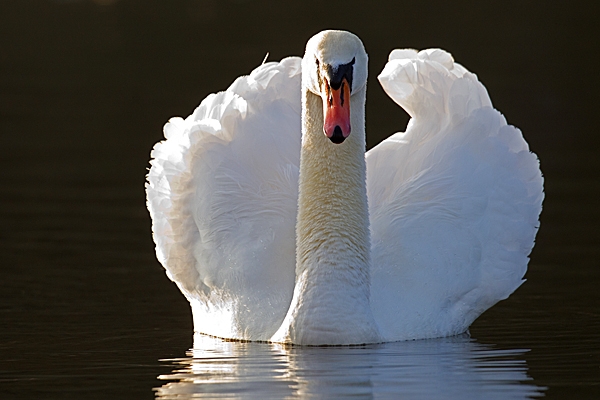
(222, 192)
(454, 201)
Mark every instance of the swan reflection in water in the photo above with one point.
(454, 367)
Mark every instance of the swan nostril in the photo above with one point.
(337, 136)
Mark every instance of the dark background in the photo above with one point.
(86, 86)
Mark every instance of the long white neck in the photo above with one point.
(332, 232)
(331, 297)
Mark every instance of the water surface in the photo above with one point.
(451, 368)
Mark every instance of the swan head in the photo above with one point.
(335, 68)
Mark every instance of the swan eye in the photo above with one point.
(319, 77)
(329, 94)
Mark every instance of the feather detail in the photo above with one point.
(454, 219)
(222, 193)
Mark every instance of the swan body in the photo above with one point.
(276, 227)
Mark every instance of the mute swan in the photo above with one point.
(260, 214)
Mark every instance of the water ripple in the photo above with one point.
(449, 368)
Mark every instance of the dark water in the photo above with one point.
(85, 87)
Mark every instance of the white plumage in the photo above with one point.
(453, 204)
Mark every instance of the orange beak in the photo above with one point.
(336, 112)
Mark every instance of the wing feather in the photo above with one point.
(222, 193)
(454, 201)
